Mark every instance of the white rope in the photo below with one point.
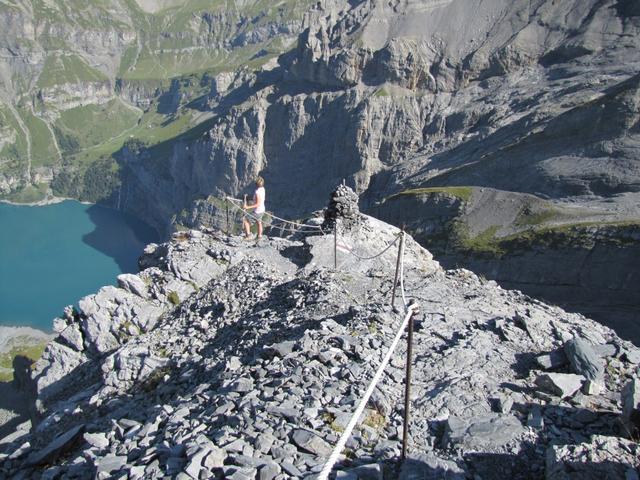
(333, 458)
(316, 227)
(376, 255)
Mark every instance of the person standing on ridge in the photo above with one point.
(257, 206)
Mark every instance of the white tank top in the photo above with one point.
(259, 196)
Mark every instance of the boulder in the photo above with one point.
(584, 360)
(133, 283)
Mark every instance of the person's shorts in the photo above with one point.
(256, 217)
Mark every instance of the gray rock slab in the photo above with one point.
(560, 384)
(584, 360)
(371, 471)
(428, 466)
(311, 442)
(483, 432)
(56, 447)
(110, 463)
(281, 349)
(98, 440)
(552, 360)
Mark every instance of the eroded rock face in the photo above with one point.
(260, 365)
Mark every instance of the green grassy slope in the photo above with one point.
(129, 50)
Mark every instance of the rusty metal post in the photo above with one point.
(407, 386)
(395, 277)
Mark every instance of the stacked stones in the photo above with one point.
(255, 371)
(344, 205)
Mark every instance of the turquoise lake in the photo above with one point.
(52, 256)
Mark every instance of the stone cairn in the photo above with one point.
(344, 205)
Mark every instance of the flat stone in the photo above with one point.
(56, 447)
(281, 349)
(291, 469)
(560, 384)
(552, 360)
(591, 387)
(268, 471)
(98, 440)
(311, 442)
(632, 355)
(372, 471)
(242, 385)
(110, 463)
(428, 466)
(488, 431)
(605, 350)
(264, 442)
(215, 458)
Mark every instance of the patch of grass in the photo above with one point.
(33, 352)
(154, 379)
(381, 92)
(576, 235)
(173, 297)
(527, 218)
(374, 420)
(29, 194)
(61, 69)
(43, 151)
(484, 243)
(463, 193)
(80, 123)
(372, 327)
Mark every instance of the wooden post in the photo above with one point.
(395, 278)
(407, 387)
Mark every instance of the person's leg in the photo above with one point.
(246, 226)
(259, 228)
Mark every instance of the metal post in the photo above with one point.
(395, 277)
(226, 204)
(335, 244)
(407, 387)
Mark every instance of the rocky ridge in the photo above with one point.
(224, 358)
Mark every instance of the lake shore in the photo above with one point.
(50, 200)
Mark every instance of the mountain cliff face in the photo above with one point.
(224, 359)
(537, 102)
(78, 79)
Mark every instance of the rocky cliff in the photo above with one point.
(226, 359)
(535, 102)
